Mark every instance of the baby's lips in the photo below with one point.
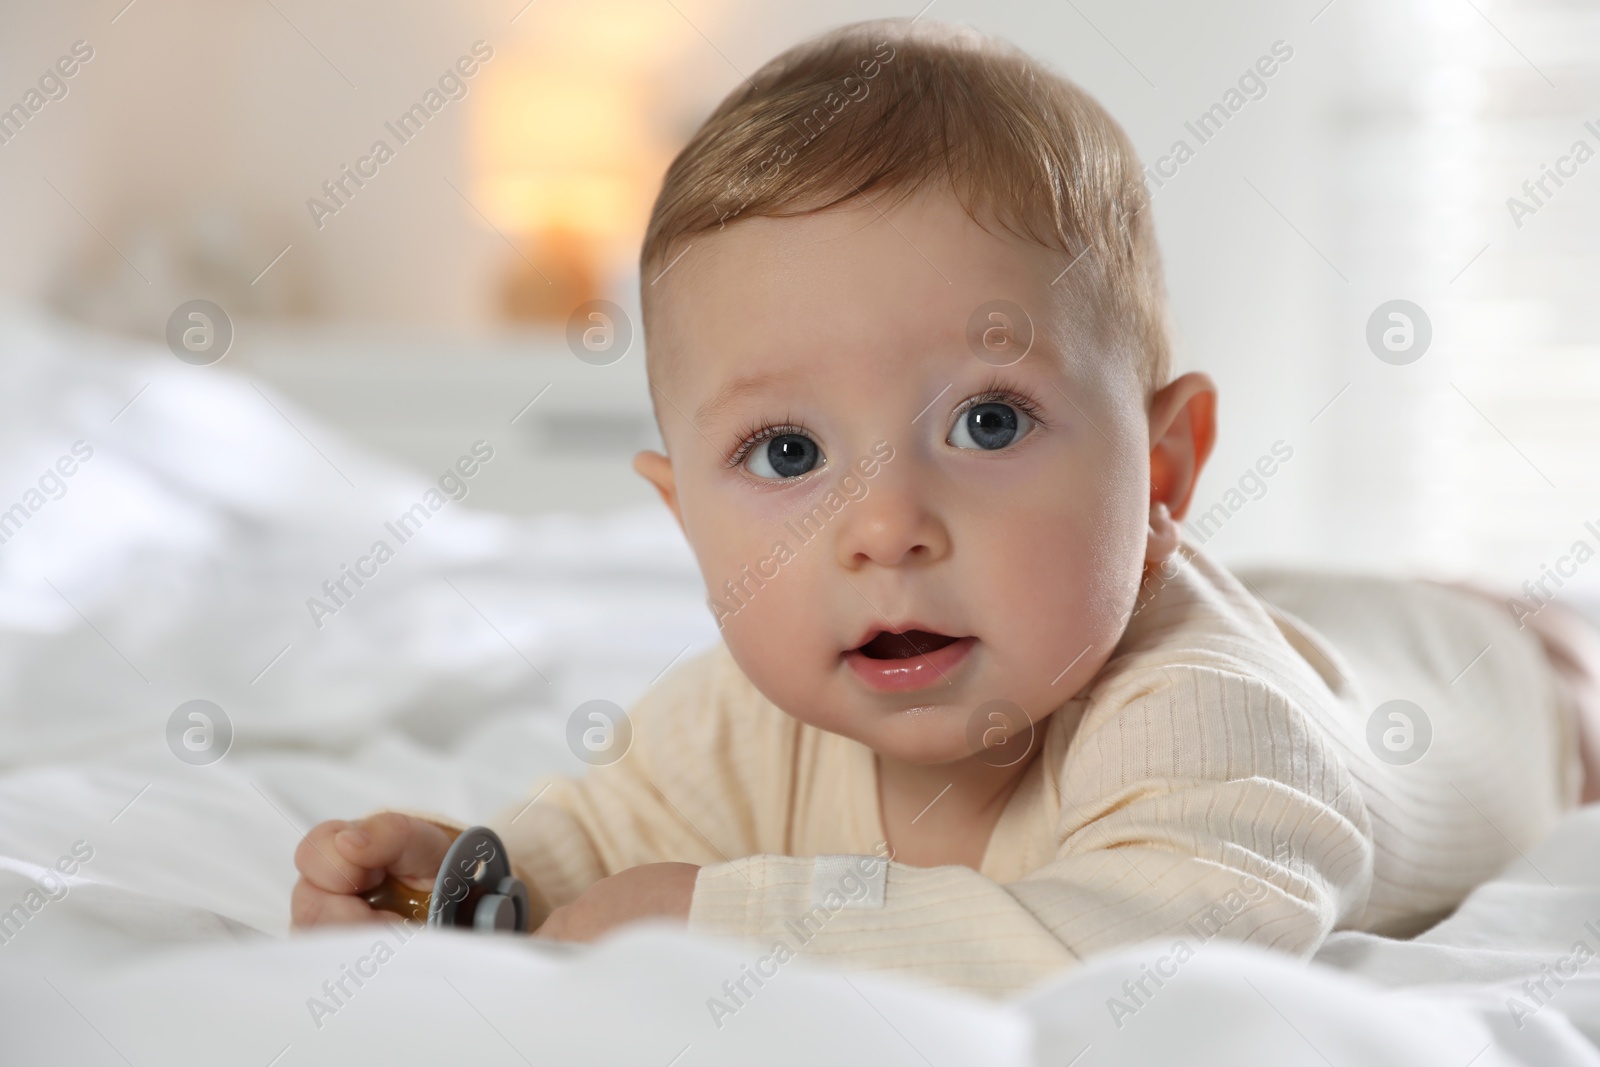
(882, 626)
(907, 644)
(908, 673)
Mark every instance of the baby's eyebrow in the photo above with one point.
(737, 389)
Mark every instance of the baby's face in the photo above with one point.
(854, 469)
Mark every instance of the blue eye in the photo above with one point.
(786, 455)
(990, 426)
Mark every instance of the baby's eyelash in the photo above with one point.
(753, 433)
(756, 432)
(999, 392)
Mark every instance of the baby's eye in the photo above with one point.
(990, 426)
(787, 455)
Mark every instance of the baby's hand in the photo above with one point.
(339, 861)
(649, 891)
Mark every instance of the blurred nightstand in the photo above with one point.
(564, 431)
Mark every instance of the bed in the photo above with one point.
(178, 562)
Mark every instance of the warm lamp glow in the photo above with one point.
(568, 146)
(551, 153)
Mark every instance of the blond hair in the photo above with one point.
(893, 105)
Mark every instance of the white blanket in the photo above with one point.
(176, 565)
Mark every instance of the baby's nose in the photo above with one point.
(893, 524)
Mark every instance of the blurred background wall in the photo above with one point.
(1378, 162)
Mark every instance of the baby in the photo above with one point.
(980, 708)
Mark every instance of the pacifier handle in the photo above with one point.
(394, 895)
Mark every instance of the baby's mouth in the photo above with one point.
(886, 645)
(906, 660)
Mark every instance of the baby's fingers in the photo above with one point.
(310, 906)
(406, 847)
(325, 866)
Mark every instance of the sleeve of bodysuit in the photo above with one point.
(1206, 803)
(702, 778)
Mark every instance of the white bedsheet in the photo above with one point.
(176, 566)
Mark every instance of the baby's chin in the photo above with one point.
(924, 735)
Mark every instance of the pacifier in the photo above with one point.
(474, 890)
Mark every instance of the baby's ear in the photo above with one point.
(1183, 427)
(656, 469)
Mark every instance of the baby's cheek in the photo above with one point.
(1067, 578)
(763, 588)
(775, 622)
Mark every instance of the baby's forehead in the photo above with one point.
(856, 277)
